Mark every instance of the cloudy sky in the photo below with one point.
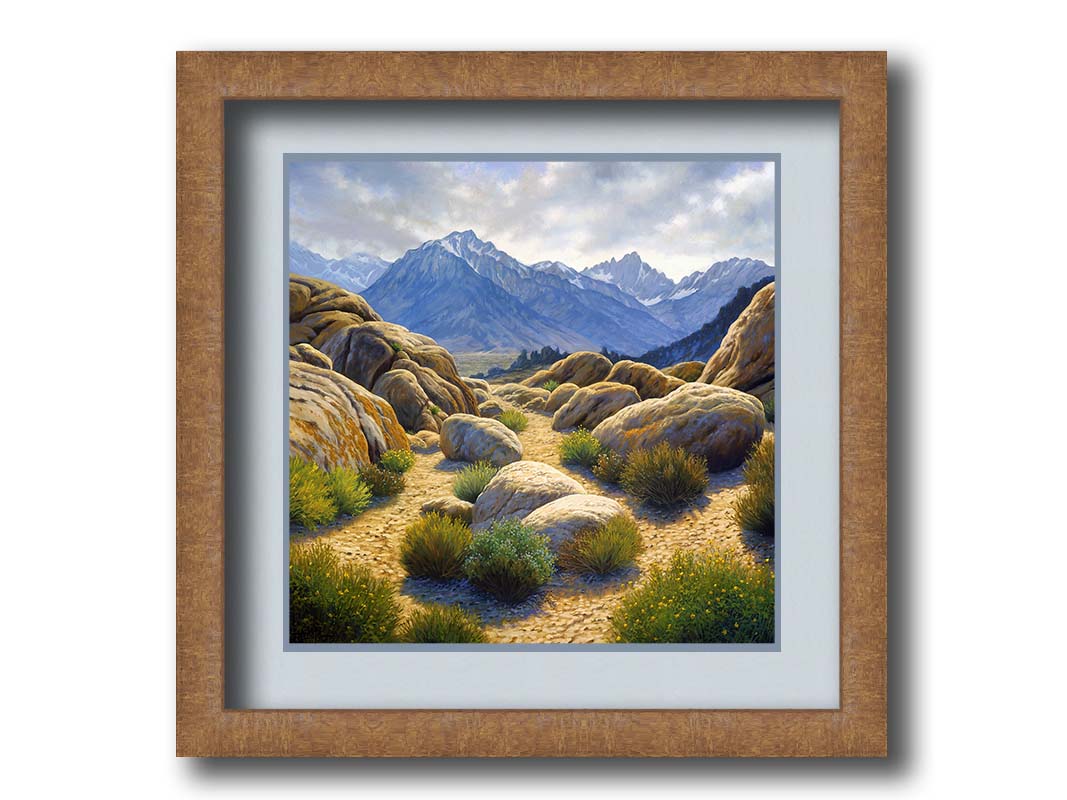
(680, 216)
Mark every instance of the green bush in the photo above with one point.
(608, 466)
(349, 492)
(434, 546)
(515, 420)
(712, 598)
(603, 550)
(550, 385)
(664, 476)
(754, 505)
(397, 460)
(397, 347)
(310, 502)
(580, 447)
(435, 409)
(330, 602)
(382, 482)
(768, 409)
(470, 481)
(509, 561)
(436, 624)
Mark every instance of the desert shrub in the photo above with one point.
(608, 466)
(437, 624)
(435, 409)
(665, 475)
(515, 420)
(550, 385)
(754, 505)
(311, 502)
(397, 347)
(382, 482)
(350, 494)
(509, 561)
(397, 460)
(580, 447)
(711, 598)
(600, 551)
(332, 602)
(434, 546)
(768, 409)
(470, 481)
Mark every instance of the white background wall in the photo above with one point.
(977, 309)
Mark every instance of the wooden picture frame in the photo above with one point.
(207, 80)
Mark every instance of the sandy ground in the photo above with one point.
(571, 609)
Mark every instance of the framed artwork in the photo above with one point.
(531, 404)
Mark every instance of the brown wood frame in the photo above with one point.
(206, 80)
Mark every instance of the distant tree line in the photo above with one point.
(546, 356)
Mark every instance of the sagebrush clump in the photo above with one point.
(435, 546)
(754, 505)
(509, 561)
(470, 481)
(514, 420)
(664, 476)
(579, 447)
(608, 466)
(335, 603)
(349, 492)
(438, 624)
(317, 497)
(602, 550)
(382, 482)
(397, 460)
(710, 598)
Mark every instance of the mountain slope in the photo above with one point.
(354, 272)
(699, 296)
(634, 276)
(433, 291)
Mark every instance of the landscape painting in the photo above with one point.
(531, 401)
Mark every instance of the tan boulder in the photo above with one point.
(468, 438)
(523, 396)
(518, 489)
(477, 383)
(648, 380)
(309, 355)
(450, 507)
(299, 299)
(745, 359)
(423, 441)
(591, 405)
(480, 395)
(490, 408)
(715, 422)
(560, 395)
(299, 334)
(582, 368)
(403, 392)
(336, 422)
(325, 296)
(562, 518)
(688, 371)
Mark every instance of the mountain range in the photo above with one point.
(471, 296)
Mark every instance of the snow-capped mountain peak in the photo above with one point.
(634, 275)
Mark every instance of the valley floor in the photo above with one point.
(571, 609)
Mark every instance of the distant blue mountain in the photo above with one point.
(354, 272)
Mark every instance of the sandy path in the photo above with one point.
(571, 609)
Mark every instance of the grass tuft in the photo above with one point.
(713, 598)
(608, 466)
(550, 385)
(310, 501)
(397, 460)
(664, 476)
(509, 561)
(514, 420)
(754, 505)
(768, 409)
(350, 494)
(470, 481)
(435, 546)
(580, 447)
(603, 550)
(437, 624)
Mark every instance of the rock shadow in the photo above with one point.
(464, 595)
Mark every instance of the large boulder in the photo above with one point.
(523, 396)
(648, 380)
(468, 438)
(562, 518)
(518, 489)
(718, 423)
(491, 408)
(560, 395)
(450, 507)
(688, 371)
(309, 355)
(591, 405)
(745, 359)
(403, 392)
(336, 422)
(581, 368)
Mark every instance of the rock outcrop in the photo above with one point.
(716, 422)
(562, 518)
(560, 395)
(582, 368)
(450, 507)
(477, 383)
(523, 396)
(518, 489)
(745, 359)
(309, 355)
(648, 380)
(335, 422)
(468, 438)
(403, 392)
(687, 371)
(591, 405)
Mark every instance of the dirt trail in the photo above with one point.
(571, 609)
